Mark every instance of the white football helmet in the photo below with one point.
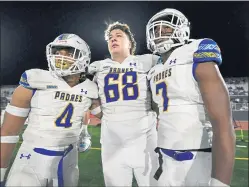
(170, 18)
(75, 60)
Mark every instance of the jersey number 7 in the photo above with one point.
(121, 86)
(161, 88)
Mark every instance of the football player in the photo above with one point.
(190, 92)
(128, 125)
(54, 102)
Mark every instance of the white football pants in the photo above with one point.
(194, 172)
(128, 149)
(44, 166)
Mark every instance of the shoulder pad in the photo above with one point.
(206, 50)
(94, 67)
(156, 60)
(148, 61)
(90, 89)
(98, 66)
(35, 78)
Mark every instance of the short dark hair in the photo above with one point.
(126, 29)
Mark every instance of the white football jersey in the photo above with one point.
(182, 116)
(57, 109)
(123, 87)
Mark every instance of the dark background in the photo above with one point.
(27, 27)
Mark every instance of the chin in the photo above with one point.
(115, 51)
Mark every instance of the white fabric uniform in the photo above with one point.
(128, 131)
(183, 121)
(2, 116)
(54, 124)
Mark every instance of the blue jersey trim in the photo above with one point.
(24, 81)
(208, 51)
(193, 70)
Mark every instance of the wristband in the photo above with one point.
(3, 171)
(215, 182)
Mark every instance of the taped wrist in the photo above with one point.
(3, 171)
(9, 139)
(215, 182)
(96, 110)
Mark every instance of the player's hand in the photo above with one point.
(84, 144)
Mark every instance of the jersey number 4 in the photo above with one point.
(126, 82)
(162, 87)
(64, 120)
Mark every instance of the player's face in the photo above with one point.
(165, 31)
(118, 42)
(63, 62)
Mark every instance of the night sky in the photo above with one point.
(27, 27)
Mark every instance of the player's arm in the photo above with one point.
(91, 120)
(95, 108)
(216, 99)
(15, 115)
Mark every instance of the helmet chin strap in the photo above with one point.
(166, 46)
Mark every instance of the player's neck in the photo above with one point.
(166, 55)
(119, 57)
(72, 80)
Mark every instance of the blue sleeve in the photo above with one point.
(208, 51)
(24, 81)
